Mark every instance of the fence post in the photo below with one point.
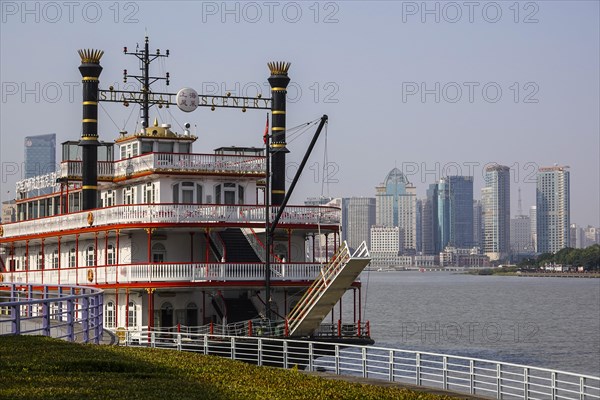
(418, 369)
(99, 318)
(498, 381)
(16, 319)
(391, 376)
(85, 315)
(553, 387)
(285, 354)
(581, 388)
(60, 305)
(233, 348)
(445, 372)
(178, 341)
(205, 345)
(337, 359)
(364, 362)
(310, 356)
(46, 314)
(70, 320)
(525, 383)
(471, 377)
(260, 352)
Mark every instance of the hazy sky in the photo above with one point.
(433, 88)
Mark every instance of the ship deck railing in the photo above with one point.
(168, 213)
(196, 272)
(475, 376)
(258, 327)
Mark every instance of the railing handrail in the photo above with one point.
(186, 205)
(450, 372)
(76, 309)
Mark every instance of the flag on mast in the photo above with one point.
(266, 130)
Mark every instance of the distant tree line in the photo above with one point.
(588, 258)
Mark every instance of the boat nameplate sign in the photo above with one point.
(176, 99)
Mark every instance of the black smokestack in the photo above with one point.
(90, 71)
(279, 81)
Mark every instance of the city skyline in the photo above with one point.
(416, 121)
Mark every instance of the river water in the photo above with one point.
(544, 322)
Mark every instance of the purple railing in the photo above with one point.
(73, 313)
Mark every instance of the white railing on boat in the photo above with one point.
(153, 162)
(172, 213)
(215, 163)
(165, 272)
(475, 376)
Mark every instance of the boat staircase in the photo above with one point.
(237, 247)
(240, 309)
(318, 300)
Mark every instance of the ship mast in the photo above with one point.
(145, 79)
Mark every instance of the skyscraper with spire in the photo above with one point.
(395, 206)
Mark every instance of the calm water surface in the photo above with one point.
(545, 322)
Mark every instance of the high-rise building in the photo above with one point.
(553, 209)
(419, 226)
(520, 235)
(533, 229)
(395, 206)
(455, 211)
(577, 237)
(477, 224)
(358, 216)
(591, 236)
(40, 155)
(495, 202)
(429, 222)
(9, 211)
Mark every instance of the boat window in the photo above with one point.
(129, 194)
(110, 315)
(131, 314)
(134, 149)
(165, 147)
(147, 146)
(150, 193)
(55, 259)
(90, 258)
(184, 147)
(229, 193)
(72, 258)
(110, 255)
(159, 253)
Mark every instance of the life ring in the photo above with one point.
(90, 275)
(90, 218)
(1, 231)
(1, 278)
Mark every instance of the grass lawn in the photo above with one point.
(34, 367)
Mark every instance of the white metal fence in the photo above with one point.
(461, 374)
